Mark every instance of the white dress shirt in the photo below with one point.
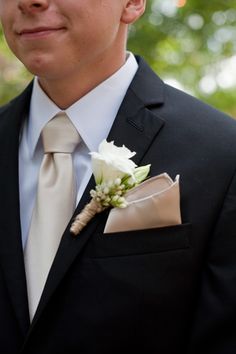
(92, 115)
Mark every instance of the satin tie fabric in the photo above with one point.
(54, 206)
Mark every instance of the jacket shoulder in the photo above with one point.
(195, 114)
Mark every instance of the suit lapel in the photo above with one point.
(135, 126)
(11, 254)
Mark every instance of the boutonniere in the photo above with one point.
(115, 173)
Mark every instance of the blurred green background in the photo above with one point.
(191, 44)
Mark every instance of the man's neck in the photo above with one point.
(65, 91)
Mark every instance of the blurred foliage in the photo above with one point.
(13, 76)
(192, 47)
(191, 44)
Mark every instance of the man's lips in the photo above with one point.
(38, 32)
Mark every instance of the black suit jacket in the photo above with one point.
(168, 290)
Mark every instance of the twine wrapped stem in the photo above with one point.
(82, 219)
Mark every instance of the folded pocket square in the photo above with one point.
(154, 203)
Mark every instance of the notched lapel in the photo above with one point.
(135, 126)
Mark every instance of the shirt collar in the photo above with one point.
(92, 115)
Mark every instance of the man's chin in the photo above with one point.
(39, 68)
(37, 63)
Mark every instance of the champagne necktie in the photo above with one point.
(54, 206)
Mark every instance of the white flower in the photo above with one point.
(114, 174)
(112, 162)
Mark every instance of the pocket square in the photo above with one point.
(154, 203)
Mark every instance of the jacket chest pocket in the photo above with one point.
(138, 242)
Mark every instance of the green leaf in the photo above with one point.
(141, 173)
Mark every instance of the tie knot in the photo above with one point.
(60, 135)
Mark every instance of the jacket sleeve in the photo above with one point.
(214, 328)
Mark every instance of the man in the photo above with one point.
(169, 290)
